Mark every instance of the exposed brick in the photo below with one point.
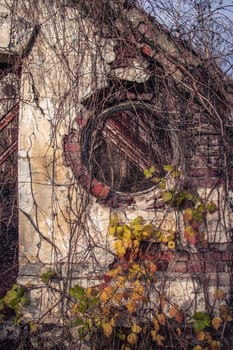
(212, 256)
(195, 267)
(179, 266)
(85, 181)
(224, 279)
(226, 256)
(166, 256)
(162, 265)
(97, 189)
(72, 147)
(104, 193)
(210, 266)
(181, 256)
(220, 246)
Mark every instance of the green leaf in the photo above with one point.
(152, 169)
(180, 198)
(156, 179)
(147, 174)
(207, 320)
(2, 304)
(114, 220)
(167, 196)
(78, 292)
(78, 321)
(175, 174)
(136, 221)
(162, 184)
(199, 315)
(201, 208)
(24, 300)
(198, 326)
(211, 207)
(188, 196)
(112, 230)
(11, 299)
(82, 307)
(168, 168)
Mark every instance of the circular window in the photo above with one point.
(123, 141)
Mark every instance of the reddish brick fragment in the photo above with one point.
(147, 50)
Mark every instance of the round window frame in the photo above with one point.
(74, 143)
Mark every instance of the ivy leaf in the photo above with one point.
(211, 207)
(200, 336)
(188, 215)
(114, 220)
(215, 345)
(177, 314)
(199, 325)
(191, 235)
(132, 338)
(216, 322)
(107, 329)
(168, 168)
(167, 196)
(152, 169)
(136, 328)
(219, 294)
(159, 339)
(147, 174)
(112, 230)
(77, 292)
(156, 179)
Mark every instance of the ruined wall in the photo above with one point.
(73, 74)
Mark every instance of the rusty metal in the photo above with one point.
(11, 115)
(6, 154)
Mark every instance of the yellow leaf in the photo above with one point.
(112, 322)
(107, 329)
(152, 267)
(127, 235)
(114, 220)
(104, 296)
(111, 230)
(132, 338)
(136, 297)
(198, 347)
(156, 325)
(188, 214)
(200, 336)
(157, 338)
(216, 322)
(168, 167)
(219, 294)
(131, 306)
(215, 345)
(108, 289)
(136, 328)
